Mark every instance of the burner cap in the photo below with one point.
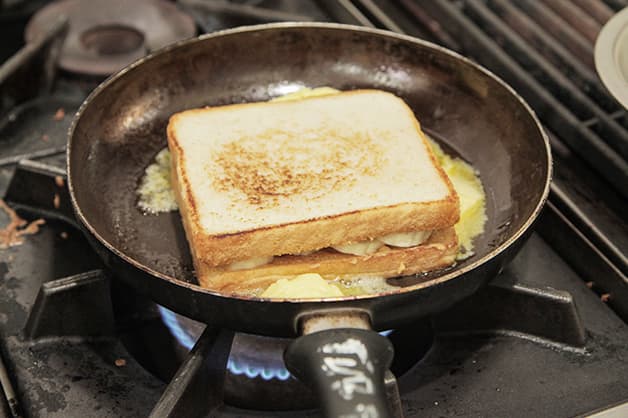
(107, 35)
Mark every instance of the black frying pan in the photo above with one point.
(121, 127)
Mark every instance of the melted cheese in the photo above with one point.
(406, 239)
(359, 248)
(251, 263)
(399, 239)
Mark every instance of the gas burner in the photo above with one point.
(105, 36)
(256, 377)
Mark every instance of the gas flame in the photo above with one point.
(234, 365)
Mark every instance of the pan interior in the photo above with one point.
(123, 126)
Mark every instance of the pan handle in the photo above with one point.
(345, 367)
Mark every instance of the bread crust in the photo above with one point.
(307, 235)
(438, 252)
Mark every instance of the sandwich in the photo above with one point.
(343, 185)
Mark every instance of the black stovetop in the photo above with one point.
(548, 337)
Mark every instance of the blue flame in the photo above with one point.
(235, 366)
(252, 371)
(171, 321)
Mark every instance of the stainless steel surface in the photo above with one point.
(322, 320)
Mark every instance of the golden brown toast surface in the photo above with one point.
(263, 179)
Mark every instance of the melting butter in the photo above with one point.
(363, 285)
(467, 183)
(155, 191)
(313, 285)
(310, 285)
(306, 92)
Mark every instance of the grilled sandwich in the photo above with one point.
(343, 185)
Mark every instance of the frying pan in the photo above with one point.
(121, 126)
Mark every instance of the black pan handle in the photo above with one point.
(346, 368)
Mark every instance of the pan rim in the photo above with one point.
(454, 273)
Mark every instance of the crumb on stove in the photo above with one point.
(120, 362)
(45, 138)
(605, 297)
(59, 114)
(59, 181)
(13, 233)
(64, 235)
(56, 201)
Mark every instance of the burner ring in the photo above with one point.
(113, 39)
(105, 36)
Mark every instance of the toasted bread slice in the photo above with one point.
(277, 178)
(438, 252)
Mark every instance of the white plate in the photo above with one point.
(611, 56)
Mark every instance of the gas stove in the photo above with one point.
(547, 337)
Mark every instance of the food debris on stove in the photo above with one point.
(120, 362)
(59, 181)
(56, 201)
(45, 138)
(64, 235)
(12, 234)
(59, 114)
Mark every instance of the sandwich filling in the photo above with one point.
(399, 240)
